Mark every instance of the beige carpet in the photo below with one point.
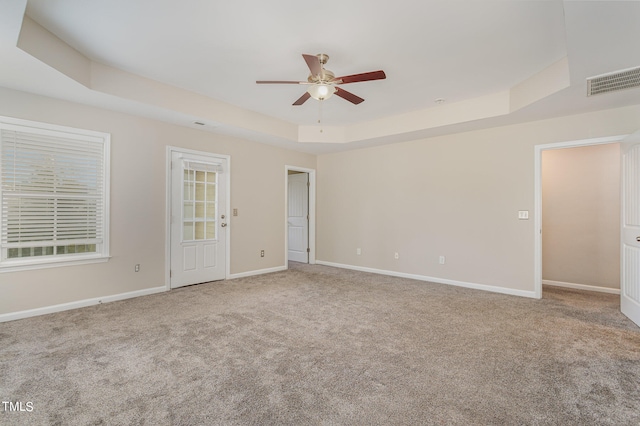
(318, 345)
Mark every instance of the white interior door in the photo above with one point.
(630, 238)
(298, 217)
(198, 222)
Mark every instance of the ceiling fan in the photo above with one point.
(323, 83)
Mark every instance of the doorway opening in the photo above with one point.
(299, 215)
(572, 209)
(581, 218)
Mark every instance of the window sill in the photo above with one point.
(16, 266)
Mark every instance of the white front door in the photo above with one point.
(198, 221)
(630, 238)
(298, 217)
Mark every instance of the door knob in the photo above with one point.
(638, 239)
(223, 224)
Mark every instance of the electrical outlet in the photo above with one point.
(261, 253)
(137, 268)
(397, 256)
(235, 212)
(358, 251)
(441, 260)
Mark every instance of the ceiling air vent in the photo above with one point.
(618, 80)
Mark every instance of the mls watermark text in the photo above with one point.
(18, 406)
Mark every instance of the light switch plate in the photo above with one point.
(523, 214)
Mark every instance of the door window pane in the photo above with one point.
(188, 231)
(200, 194)
(199, 205)
(199, 230)
(188, 210)
(199, 210)
(189, 188)
(211, 230)
(211, 192)
(211, 211)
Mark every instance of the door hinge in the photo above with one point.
(170, 273)
(308, 184)
(308, 250)
(307, 217)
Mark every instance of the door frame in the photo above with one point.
(227, 189)
(312, 212)
(537, 229)
(301, 181)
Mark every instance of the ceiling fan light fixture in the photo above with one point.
(321, 91)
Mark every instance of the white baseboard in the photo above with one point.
(98, 300)
(257, 272)
(494, 289)
(581, 287)
(79, 304)
(122, 296)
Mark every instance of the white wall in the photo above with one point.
(581, 215)
(137, 229)
(455, 195)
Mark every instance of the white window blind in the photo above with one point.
(53, 187)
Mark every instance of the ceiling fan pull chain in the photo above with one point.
(320, 114)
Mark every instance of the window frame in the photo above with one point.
(200, 167)
(56, 260)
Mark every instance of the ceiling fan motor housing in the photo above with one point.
(325, 76)
(323, 58)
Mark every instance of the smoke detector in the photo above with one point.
(613, 81)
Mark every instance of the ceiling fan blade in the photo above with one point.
(367, 76)
(348, 96)
(279, 82)
(313, 62)
(302, 99)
